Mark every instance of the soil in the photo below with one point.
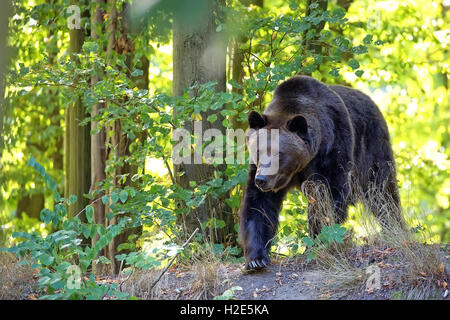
(289, 279)
(284, 279)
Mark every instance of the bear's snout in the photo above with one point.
(260, 181)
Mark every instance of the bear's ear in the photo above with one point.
(256, 121)
(298, 124)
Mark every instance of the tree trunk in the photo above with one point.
(77, 140)
(98, 148)
(311, 43)
(4, 58)
(199, 55)
(119, 140)
(237, 59)
(31, 204)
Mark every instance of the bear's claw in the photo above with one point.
(256, 264)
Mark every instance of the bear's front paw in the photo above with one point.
(257, 264)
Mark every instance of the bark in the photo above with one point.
(199, 56)
(120, 142)
(77, 141)
(55, 116)
(5, 14)
(31, 205)
(237, 60)
(98, 148)
(311, 43)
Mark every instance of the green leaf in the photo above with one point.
(334, 72)
(46, 259)
(89, 213)
(57, 196)
(86, 231)
(72, 199)
(137, 73)
(121, 257)
(40, 169)
(90, 46)
(104, 260)
(354, 64)
(359, 73)
(212, 118)
(227, 112)
(114, 197)
(368, 39)
(123, 195)
(105, 199)
(308, 241)
(359, 49)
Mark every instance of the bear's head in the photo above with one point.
(277, 154)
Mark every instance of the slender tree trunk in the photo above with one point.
(4, 58)
(120, 142)
(199, 55)
(311, 44)
(31, 205)
(237, 60)
(77, 139)
(237, 70)
(98, 148)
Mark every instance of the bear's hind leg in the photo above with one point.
(383, 200)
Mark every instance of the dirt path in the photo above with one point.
(279, 283)
(284, 279)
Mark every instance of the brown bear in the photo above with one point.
(327, 134)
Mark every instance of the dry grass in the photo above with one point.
(200, 277)
(208, 276)
(16, 282)
(405, 260)
(139, 285)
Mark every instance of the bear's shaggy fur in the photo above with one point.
(327, 134)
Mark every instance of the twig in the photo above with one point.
(173, 259)
(166, 163)
(124, 280)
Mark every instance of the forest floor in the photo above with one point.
(285, 279)
(295, 279)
